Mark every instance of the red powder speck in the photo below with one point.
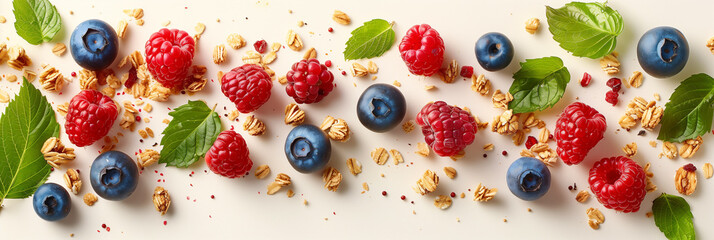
(504, 153)
(164, 223)
(191, 184)
(333, 213)
(188, 198)
(161, 174)
(74, 74)
(328, 63)
(330, 30)
(158, 180)
(453, 194)
(138, 118)
(156, 171)
(384, 193)
(104, 225)
(404, 197)
(108, 229)
(344, 73)
(163, 180)
(52, 169)
(213, 197)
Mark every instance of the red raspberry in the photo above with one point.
(422, 50)
(247, 86)
(578, 129)
(611, 97)
(260, 46)
(90, 116)
(618, 183)
(467, 71)
(531, 141)
(228, 156)
(447, 129)
(586, 80)
(169, 54)
(309, 81)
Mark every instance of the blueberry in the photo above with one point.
(528, 178)
(51, 202)
(307, 148)
(114, 175)
(94, 44)
(494, 51)
(663, 51)
(381, 107)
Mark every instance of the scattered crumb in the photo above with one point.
(429, 87)
(166, 23)
(396, 83)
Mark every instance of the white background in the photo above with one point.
(242, 209)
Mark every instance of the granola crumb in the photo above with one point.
(442, 202)
(423, 149)
(380, 156)
(397, 83)
(450, 172)
(483, 194)
(90, 199)
(262, 171)
(532, 25)
(408, 126)
(354, 166)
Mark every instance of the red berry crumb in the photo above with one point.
(384, 193)
(328, 63)
(74, 74)
(615, 84)
(453, 194)
(344, 73)
(404, 197)
(164, 223)
(504, 153)
(108, 229)
(213, 197)
(261, 46)
(611, 97)
(690, 168)
(586, 80)
(467, 71)
(104, 225)
(329, 30)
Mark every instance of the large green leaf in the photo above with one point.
(27, 122)
(539, 84)
(673, 217)
(370, 40)
(688, 114)
(585, 29)
(36, 21)
(190, 134)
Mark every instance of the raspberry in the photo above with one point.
(422, 49)
(615, 84)
(586, 80)
(247, 86)
(611, 97)
(228, 156)
(618, 183)
(90, 116)
(169, 54)
(260, 46)
(309, 81)
(467, 71)
(447, 129)
(578, 129)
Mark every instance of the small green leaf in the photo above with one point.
(585, 29)
(370, 40)
(190, 134)
(539, 84)
(36, 21)
(28, 121)
(673, 217)
(688, 114)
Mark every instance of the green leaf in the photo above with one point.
(27, 122)
(190, 134)
(539, 84)
(370, 40)
(688, 114)
(585, 29)
(36, 21)
(673, 217)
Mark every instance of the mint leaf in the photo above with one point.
(673, 217)
(190, 134)
(370, 40)
(36, 21)
(585, 29)
(27, 122)
(688, 114)
(539, 84)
